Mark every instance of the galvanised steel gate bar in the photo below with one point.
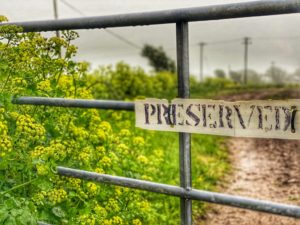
(75, 103)
(215, 12)
(207, 196)
(182, 42)
(181, 17)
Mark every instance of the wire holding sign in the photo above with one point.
(263, 119)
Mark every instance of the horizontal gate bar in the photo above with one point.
(214, 12)
(76, 103)
(225, 199)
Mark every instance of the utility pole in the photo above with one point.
(201, 44)
(55, 15)
(246, 42)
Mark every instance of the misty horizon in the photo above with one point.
(274, 38)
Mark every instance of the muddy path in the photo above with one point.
(266, 169)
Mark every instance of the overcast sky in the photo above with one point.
(274, 38)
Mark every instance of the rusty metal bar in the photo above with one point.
(75, 103)
(182, 41)
(213, 12)
(207, 196)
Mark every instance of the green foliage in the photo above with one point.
(35, 139)
(236, 76)
(277, 75)
(220, 73)
(253, 77)
(296, 75)
(212, 86)
(158, 58)
(125, 82)
(17, 211)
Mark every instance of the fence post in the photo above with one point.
(182, 43)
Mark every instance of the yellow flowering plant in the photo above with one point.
(36, 139)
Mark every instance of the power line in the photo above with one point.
(123, 39)
(117, 36)
(72, 7)
(276, 38)
(224, 41)
(262, 38)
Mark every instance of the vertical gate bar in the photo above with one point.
(182, 43)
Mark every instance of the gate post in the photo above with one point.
(182, 43)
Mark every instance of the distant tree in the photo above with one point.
(236, 76)
(254, 77)
(158, 58)
(276, 74)
(296, 75)
(219, 73)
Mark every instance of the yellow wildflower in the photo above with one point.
(136, 222)
(142, 159)
(105, 161)
(116, 220)
(92, 188)
(139, 141)
(56, 196)
(44, 85)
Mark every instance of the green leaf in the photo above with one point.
(3, 215)
(10, 203)
(10, 221)
(26, 218)
(45, 185)
(57, 211)
(16, 212)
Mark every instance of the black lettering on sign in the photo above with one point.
(192, 115)
(159, 114)
(221, 109)
(266, 118)
(146, 108)
(260, 117)
(214, 124)
(180, 115)
(251, 114)
(237, 109)
(228, 115)
(287, 118)
(153, 110)
(198, 107)
(169, 113)
(204, 115)
(277, 118)
(263, 119)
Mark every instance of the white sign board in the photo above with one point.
(259, 118)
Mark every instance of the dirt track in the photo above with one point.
(266, 169)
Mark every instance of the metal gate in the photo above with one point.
(180, 17)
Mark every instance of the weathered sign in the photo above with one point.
(259, 118)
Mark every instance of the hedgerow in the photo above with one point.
(36, 139)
